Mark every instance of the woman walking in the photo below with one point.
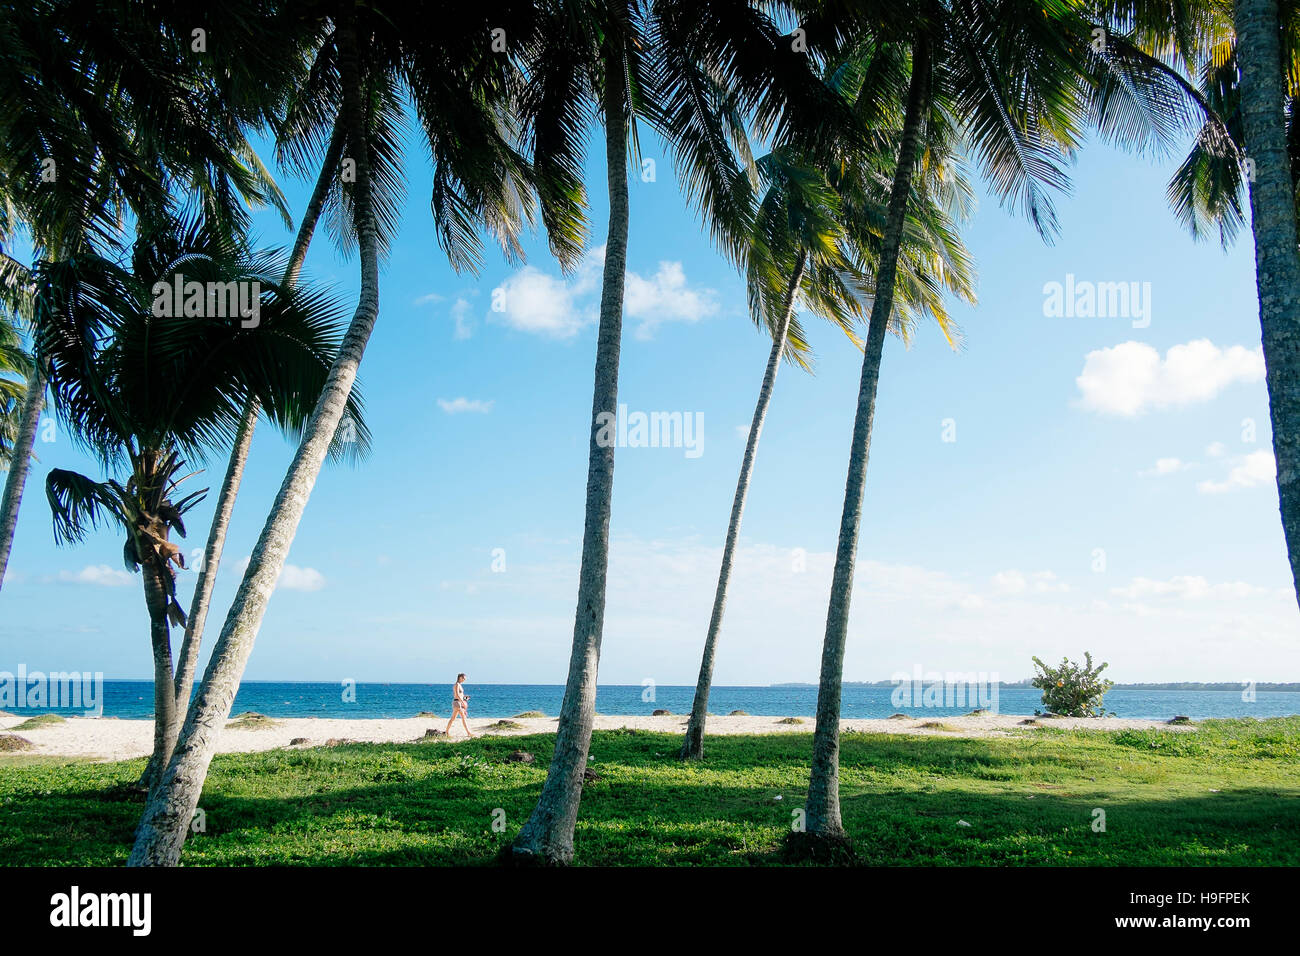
(459, 705)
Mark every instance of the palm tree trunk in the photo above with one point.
(1277, 259)
(188, 659)
(167, 815)
(693, 745)
(24, 441)
(189, 654)
(547, 837)
(822, 814)
(166, 717)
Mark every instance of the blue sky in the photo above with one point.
(1099, 494)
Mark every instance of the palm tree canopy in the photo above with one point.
(706, 74)
(1021, 82)
(127, 379)
(15, 367)
(106, 107)
(841, 231)
(461, 90)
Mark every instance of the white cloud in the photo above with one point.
(1187, 587)
(1130, 378)
(665, 297)
(294, 578)
(457, 405)
(1164, 466)
(1215, 449)
(1257, 468)
(459, 311)
(460, 315)
(661, 592)
(1017, 582)
(98, 574)
(533, 301)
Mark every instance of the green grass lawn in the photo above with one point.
(1229, 793)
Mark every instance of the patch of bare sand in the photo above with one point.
(107, 738)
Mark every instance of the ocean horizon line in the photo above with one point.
(1222, 685)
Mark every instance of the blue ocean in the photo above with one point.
(134, 699)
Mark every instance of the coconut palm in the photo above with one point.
(809, 242)
(188, 657)
(461, 89)
(144, 383)
(22, 388)
(1265, 72)
(103, 116)
(1245, 61)
(15, 367)
(1021, 83)
(663, 62)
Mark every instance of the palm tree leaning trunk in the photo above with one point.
(24, 441)
(547, 837)
(1277, 258)
(693, 745)
(822, 814)
(187, 661)
(164, 700)
(170, 807)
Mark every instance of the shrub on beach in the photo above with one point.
(1072, 690)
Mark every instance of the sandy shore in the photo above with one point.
(106, 738)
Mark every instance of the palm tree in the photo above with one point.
(1019, 81)
(15, 366)
(142, 390)
(808, 241)
(102, 116)
(479, 179)
(665, 62)
(608, 59)
(188, 657)
(1277, 258)
(1247, 62)
(20, 414)
(22, 384)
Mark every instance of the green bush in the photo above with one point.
(1072, 690)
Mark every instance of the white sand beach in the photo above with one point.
(108, 738)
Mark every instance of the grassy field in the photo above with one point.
(1229, 793)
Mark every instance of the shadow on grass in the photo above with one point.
(905, 801)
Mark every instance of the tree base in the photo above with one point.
(525, 859)
(820, 849)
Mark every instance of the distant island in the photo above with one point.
(1172, 685)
